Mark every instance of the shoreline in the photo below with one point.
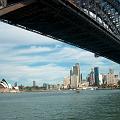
(40, 91)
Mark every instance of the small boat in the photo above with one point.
(92, 89)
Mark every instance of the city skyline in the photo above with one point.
(27, 56)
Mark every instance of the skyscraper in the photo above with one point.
(78, 72)
(96, 74)
(34, 83)
(75, 77)
(91, 78)
(70, 76)
(74, 81)
(81, 78)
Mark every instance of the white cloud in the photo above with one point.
(64, 54)
(17, 47)
(34, 49)
(49, 73)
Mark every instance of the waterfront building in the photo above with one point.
(7, 87)
(75, 76)
(15, 89)
(88, 79)
(4, 87)
(70, 76)
(66, 82)
(74, 82)
(104, 79)
(45, 86)
(78, 72)
(116, 77)
(34, 83)
(81, 78)
(96, 75)
(58, 86)
(84, 84)
(51, 86)
(91, 78)
(54, 87)
(100, 79)
(112, 79)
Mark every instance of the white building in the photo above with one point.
(112, 79)
(100, 79)
(4, 87)
(66, 82)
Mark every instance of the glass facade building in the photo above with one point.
(96, 73)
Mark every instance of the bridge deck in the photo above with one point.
(14, 7)
(67, 23)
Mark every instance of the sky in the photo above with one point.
(26, 56)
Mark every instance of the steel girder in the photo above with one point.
(105, 12)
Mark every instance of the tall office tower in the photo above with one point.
(88, 78)
(81, 77)
(100, 79)
(74, 82)
(34, 83)
(75, 77)
(78, 71)
(96, 74)
(75, 70)
(91, 79)
(71, 73)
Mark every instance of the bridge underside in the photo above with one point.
(66, 23)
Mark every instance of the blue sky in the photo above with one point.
(27, 56)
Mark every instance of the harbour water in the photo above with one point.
(64, 105)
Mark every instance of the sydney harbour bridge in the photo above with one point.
(93, 25)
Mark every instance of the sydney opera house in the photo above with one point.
(6, 87)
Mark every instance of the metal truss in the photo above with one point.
(105, 12)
